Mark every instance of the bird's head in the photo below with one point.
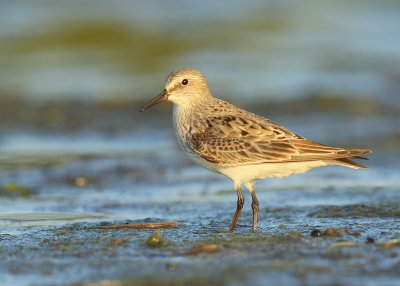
(183, 87)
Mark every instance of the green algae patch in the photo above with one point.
(156, 240)
(14, 190)
(356, 211)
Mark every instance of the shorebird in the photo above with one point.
(241, 145)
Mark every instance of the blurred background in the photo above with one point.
(65, 64)
(74, 74)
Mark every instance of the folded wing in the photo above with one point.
(234, 140)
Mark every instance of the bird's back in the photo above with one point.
(226, 135)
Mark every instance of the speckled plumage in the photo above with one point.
(239, 144)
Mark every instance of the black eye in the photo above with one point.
(185, 81)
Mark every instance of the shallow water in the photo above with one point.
(77, 180)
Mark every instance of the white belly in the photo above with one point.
(253, 172)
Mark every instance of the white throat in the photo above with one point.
(182, 122)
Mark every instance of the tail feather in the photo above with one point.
(351, 164)
(359, 157)
(356, 155)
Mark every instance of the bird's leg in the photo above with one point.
(239, 206)
(254, 205)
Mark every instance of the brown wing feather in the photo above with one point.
(233, 140)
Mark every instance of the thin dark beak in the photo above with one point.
(159, 98)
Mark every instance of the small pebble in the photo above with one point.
(335, 232)
(316, 233)
(210, 248)
(369, 240)
(81, 181)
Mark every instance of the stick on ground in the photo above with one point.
(152, 225)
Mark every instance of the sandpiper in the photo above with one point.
(243, 146)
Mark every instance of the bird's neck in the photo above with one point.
(182, 115)
(182, 122)
(185, 110)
